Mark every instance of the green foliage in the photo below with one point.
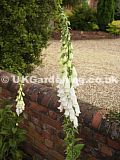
(83, 18)
(114, 27)
(70, 2)
(68, 12)
(11, 136)
(24, 31)
(117, 9)
(74, 148)
(105, 13)
(84, 3)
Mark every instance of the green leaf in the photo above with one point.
(77, 150)
(12, 143)
(14, 130)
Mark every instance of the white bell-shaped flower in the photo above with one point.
(20, 106)
(61, 108)
(75, 82)
(75, 122)
(77, 110)
(74, 72)
(72, 114)
(66, 113)
(67, 85)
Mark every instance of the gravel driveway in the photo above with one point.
(93, 59)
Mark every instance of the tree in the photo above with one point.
(105, 13)
(117, 9)
(24, 31)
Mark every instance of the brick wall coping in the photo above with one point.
(47, 97)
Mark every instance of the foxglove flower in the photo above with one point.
(20, 106)
(68, 101)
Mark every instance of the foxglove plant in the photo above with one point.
(20, 106)
(66, 88)
(68, 77)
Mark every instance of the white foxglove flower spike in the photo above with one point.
(20, 106)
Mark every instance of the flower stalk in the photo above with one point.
(20, 105)
(68, 75)
(66, 89)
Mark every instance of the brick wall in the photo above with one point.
(42, 121)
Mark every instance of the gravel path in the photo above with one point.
(92, 58)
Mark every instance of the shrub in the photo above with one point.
(83, 18)
(11, 137)
(68, 12)
(23, 32)
(114, 27)
(105, 13)
(117, 9)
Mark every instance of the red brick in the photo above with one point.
(23, 126)
(90, 157)
(38, 108)
(28, 148)
(96, 121)
(38, 137)
(35, 120)
(34, 97)
(52, 115)
(30, 138)
(27, 101)
(45, 100)
(48, 143)
(51, 122)
(50, 129)
(31, 125)
(0, 90)
(47, 135)
(55, 155)
(113, 144)
(25, 115)
(5, 93)
(59, 145)
(100, 138)
(32, 133)
(39, 129)
(26, 123)
(87, 132)
(41, 147)
(105, 150)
